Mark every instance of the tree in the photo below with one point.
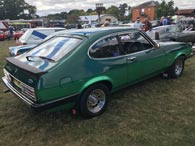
(89, 11)
(72, 19)
(73, 16)
(166, 9)
(58, 16)
(113, 10)
(16, 9)
(122, 9)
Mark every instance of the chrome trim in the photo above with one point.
(148, 38)
(31, 103)
(193, 48)
(21, 96)
(114, 35)
(33, 97)
(120, 33)
(191, 54)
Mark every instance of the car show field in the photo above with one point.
(108, 59)
(157, 111)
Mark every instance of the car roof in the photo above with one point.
(94, 31)
(163, 27)
(46, 28)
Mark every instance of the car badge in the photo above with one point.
(30, 81)
(15, 70)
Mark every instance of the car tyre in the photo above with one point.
(176, 70)
(94, 100)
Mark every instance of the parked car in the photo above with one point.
(155, 23)
(17, 50)
(185, 22)
(36, 35)
(18, 34)
(172, 33)
(70, 26)
(166, 32)
(3, 35)
(80, 68)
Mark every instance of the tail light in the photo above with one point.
(18, 43)
(17, 53)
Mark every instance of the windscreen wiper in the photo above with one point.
(37, 58)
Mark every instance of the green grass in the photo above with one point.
(156, 112)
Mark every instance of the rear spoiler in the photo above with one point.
(25, 67)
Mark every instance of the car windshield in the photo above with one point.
(165, 29)
(171, 29)
(55, 48)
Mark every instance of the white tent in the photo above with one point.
(2, 26)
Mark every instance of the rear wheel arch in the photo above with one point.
(104, 82)
(94, 99)
(182, 56)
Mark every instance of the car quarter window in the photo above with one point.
(134, 42)
(105, 48)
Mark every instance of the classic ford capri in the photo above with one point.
(81, 68)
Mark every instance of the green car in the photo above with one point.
(80, 68)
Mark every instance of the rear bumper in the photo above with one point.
(40, 106)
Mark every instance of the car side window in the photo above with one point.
(134, 42)
(105, 48)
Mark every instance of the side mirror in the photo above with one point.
(156, 45)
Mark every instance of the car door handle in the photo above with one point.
(150, 50)
(131, 58)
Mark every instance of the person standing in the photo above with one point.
(147, 24)
(165, 21)
(106, 24)
(11, 32)
(138, 24)
(79, 26)
(161, 20)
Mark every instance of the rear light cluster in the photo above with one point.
(18, 43)
(28, 91)
(20, 86)
(17, 53)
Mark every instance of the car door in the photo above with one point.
(109, 60)
(143, 59)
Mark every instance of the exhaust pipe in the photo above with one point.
(6, 91)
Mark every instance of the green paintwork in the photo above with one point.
(77, 71)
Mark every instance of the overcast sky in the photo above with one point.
(45, 7)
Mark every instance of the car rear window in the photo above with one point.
(56, 47)
(105, 48)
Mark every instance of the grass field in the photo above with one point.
(156, 112)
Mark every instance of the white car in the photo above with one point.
(17, 50)
(36, 35)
